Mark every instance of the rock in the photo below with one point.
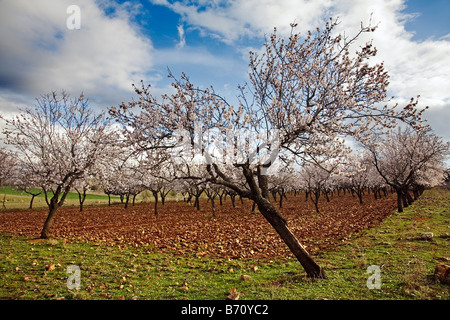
(442, 273)
(445, 236)
(426, 235)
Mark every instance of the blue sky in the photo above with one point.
(432, 20)
(122, 42)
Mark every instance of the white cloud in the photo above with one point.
(416, 68)
(101, 59)
(181, 35)
(231, 20)
(108, 53)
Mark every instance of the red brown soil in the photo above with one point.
(233, 233)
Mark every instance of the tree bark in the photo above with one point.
(81, 198)
(399, 201)
(315, 200)
(127, 199)
(260, 195)
(197, 202)
(269, 212)
(155, 195)
(31, 201)
(212, 207)
(54, 204)
(53, 207)
(359, 194)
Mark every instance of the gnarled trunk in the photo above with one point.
(269, 212)
(399, 200)
(260, 194)
(53, 207)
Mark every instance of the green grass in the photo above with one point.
(406, 264)
(18, 199)
(72, 195)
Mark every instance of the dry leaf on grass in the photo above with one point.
(233, 294)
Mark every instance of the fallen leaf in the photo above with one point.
(50, 267)
(233, 294)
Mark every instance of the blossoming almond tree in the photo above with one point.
(406, 158)
(59, 140)
(304, 95)
(6, 165)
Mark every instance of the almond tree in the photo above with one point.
(358, 172)
(7, 169)
(29, 183)
(317, 180)
(58, 140)
(156, 179)
(6, 165)
(407, 158)
(129, 180)
(280, 184)
(304, 95)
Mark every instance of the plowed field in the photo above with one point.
(233, 232)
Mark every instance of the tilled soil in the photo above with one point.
(233, 232)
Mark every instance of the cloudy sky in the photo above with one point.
(118, 43)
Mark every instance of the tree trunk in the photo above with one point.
(399, 201)
(81, 198)
(269, 212)
(281, 199)
(155, 195)
(45, 233)
(359, 194)
(315, 200)
(197, 202)
(127, 199)
(32, 200)
(409, 198)
(404, 199)
(415, 193)
(325, 192)
(212, 207)
(221, 198)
